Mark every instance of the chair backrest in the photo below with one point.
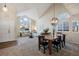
(59, 38)
(41, 39)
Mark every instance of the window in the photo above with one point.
(65, 26)
(24, 23)
(59, 27)
(75, 26)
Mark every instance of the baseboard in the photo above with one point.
(8, 44)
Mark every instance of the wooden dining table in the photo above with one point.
(50, 39)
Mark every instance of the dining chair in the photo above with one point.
(63, 40)
(57, 43)
(42, 43)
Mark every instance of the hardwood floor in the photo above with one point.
(29, 47)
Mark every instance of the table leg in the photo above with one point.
(50, 46)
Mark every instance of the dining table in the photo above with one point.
(50, 39)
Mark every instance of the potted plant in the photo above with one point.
(46, 30)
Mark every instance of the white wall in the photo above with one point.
(7, 24)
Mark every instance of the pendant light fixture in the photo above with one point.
(5, 9)
(54, 19)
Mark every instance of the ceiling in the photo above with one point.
(33, 11)
(36, 10)
(73, 8)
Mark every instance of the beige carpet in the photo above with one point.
(29, 47)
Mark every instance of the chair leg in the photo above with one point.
(44, 49)
(60, 46)
(57, 48)
(64, 43)
(39, 46)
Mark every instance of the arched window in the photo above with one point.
(24, 23)
(75, 23)
(59, 27)
(65, 26)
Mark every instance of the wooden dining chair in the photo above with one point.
(63, 40)
(57, 43)
(42, 43)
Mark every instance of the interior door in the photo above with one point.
(4, 31)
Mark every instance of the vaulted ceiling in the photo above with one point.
(36, 10)
(33, 11)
